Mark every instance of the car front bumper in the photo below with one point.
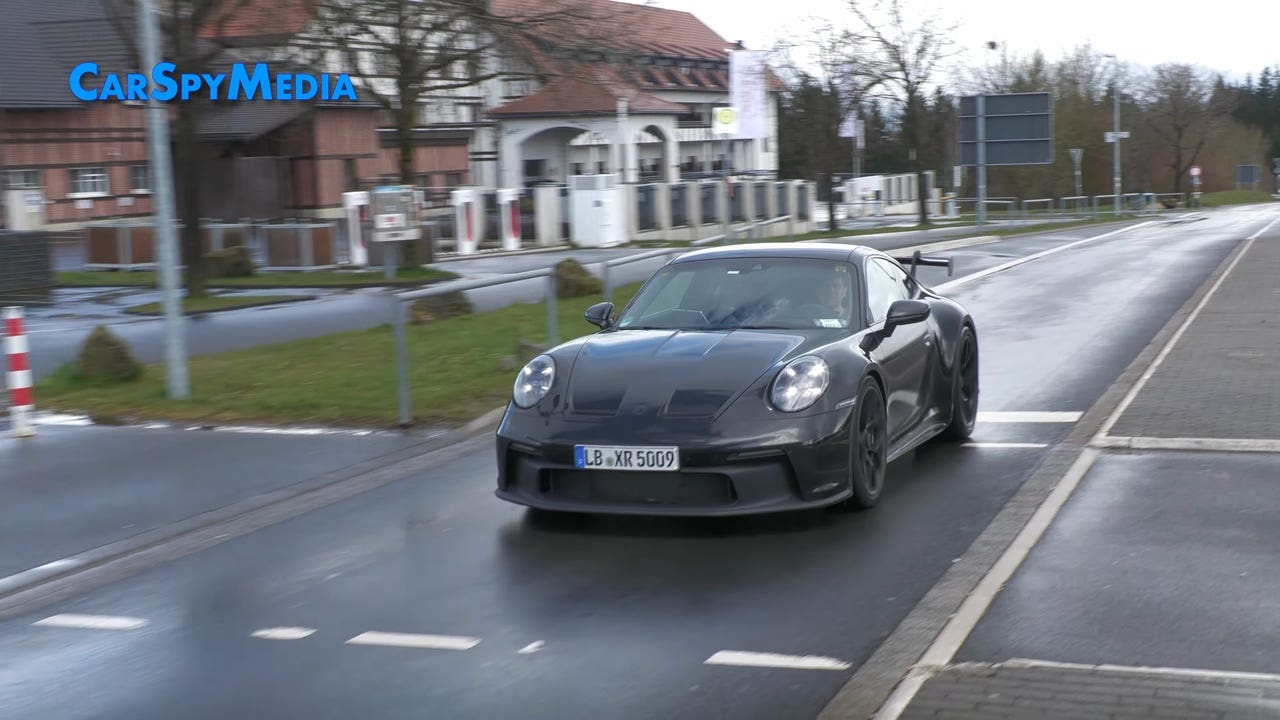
(800, 466)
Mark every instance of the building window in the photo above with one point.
(140, 178)
(22, 180)
(453, 180)
(89, 181)
(349, 174)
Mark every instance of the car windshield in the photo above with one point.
(745, 293)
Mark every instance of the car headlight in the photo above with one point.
(800, 384)
(534, 381)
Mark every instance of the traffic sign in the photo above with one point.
(1015, 129)
(1111, 136)
(1195, 171)
(724, 121)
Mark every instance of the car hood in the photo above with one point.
(676, 373)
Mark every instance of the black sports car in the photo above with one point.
(743, 379)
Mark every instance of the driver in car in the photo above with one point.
(832, 295)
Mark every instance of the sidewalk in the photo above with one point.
(1155, 590)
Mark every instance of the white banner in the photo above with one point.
(747, 93)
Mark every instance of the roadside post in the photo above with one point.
(393, 220)
(509, 212)
(353, 203)
(21, 397)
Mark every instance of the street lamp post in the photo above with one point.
(175, 351)
(1115, 96)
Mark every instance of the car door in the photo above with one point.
(903, 357)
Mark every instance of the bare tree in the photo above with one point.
(184, 25)
(1185, 107)
(404, 52)
(907, 56)
(836, 82)
(1005, 72)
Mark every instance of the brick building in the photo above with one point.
(65, 162)
(62, 160)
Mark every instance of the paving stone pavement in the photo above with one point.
(1017, 690)
(1219, 380)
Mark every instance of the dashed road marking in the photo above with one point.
(413, 640)
(284, 633)
(531, 648)
(1004, 445)
(92, 622)
(793, 662)
(1029, 417)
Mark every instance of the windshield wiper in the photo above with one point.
(752, 327)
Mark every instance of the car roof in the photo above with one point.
(820, 250)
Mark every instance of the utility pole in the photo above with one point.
(166, 250)
(1116, 180)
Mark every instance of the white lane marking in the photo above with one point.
(1182, 329)
(92, 622)
(413, 640)
(1029, 417)
(1035, 256)
(60, 419)
(1002, 445)
(966, 618)
(250, 429)
(1206, 444)
(793, 662)
(531, 648)
(284, 633)
(1144, 670)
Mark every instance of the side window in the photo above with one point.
(886, 284)
(906, 286)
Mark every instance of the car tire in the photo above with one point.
(868, 447)
(964, 388)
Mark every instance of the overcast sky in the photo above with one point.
(1233, 38)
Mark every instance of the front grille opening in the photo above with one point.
(643, 488)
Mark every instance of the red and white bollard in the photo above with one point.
(509, 211)
(21, 397)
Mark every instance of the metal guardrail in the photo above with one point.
(400, 302)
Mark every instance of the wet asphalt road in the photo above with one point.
(56, 333)
(626, 611)
(77, 488)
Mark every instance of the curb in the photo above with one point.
(92, 568)
(246, 306)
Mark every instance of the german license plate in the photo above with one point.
(608, 457)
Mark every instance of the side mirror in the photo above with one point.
(906, 312)
(600, 314)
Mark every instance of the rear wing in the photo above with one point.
(917, 260)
